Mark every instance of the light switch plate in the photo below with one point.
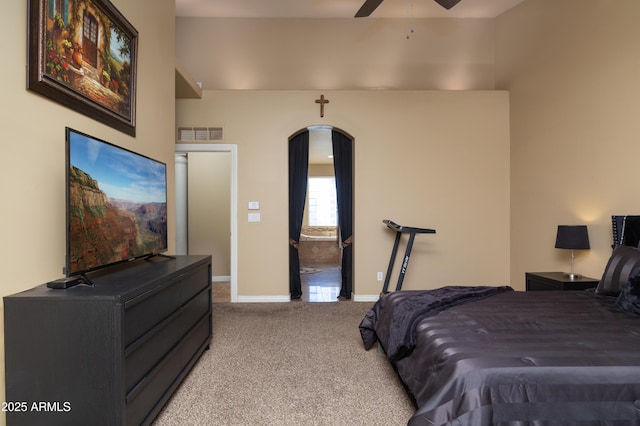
(254, 205)
(254, 217)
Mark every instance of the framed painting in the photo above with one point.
(82, 54)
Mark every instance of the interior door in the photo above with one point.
(90, 39)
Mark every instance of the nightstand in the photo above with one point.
(544, 281)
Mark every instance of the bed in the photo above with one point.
(491, 355)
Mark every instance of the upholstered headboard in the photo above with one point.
(626, 230)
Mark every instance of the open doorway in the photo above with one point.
(228, 154)
(318, 242)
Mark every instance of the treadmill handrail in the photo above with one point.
(399, 228)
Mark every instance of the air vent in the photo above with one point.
(200, 134)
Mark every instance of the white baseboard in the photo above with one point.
(366, 297)
(221, 278)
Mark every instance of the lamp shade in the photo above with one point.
(573, 237)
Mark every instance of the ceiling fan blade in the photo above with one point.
(447, 4)
(368, 7)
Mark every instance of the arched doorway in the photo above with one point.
(325, 233)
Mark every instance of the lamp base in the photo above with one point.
(572, 276)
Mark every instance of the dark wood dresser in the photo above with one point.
(111, 354)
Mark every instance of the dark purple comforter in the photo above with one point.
(525, 358)
(404, 316)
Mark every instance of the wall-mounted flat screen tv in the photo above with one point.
(116, 204)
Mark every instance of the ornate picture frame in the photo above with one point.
(83, 54)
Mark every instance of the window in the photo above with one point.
(323, 204)
(59, 8)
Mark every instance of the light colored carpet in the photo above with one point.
(289, 364)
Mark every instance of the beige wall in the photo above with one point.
(209, 200)
(572, 68)
(32, 217)
(432, 159)
(289, 54)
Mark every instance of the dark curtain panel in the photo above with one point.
(298, 174)
(343, 165)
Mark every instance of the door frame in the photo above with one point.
(233, 149)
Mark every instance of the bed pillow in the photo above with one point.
(629, 298)
(618, 269)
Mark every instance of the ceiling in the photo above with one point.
(339, 8)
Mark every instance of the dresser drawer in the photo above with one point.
(143, 354)
(146, 394)
(141, 317)
(149, 391)
(198, 280)
(199, 336)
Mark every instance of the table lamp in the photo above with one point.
(573, 237)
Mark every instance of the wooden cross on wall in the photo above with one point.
(322, 101)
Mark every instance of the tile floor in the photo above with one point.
(220, 291)
(321, 286)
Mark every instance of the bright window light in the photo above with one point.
(323, 205)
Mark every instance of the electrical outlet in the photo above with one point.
(379, 276)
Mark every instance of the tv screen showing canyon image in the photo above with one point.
(116, 204)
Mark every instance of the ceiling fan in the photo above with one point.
(370, 5)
